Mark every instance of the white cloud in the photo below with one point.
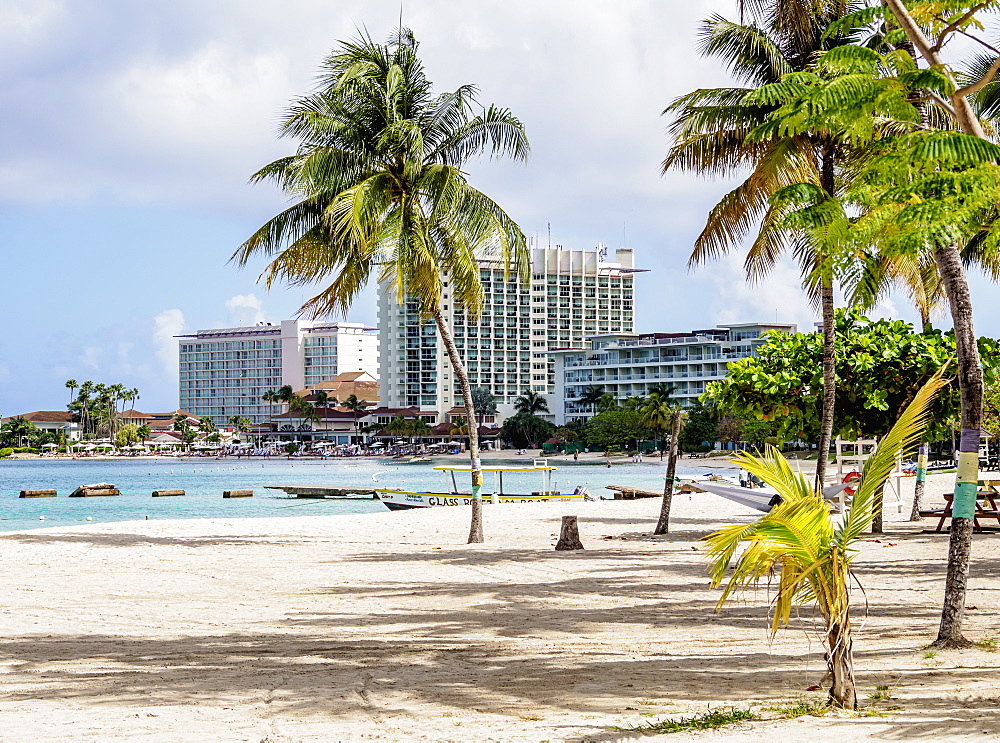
(245, 309)
(91, 356)
(168, 324)
(779, 297)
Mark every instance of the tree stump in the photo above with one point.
(569, 535)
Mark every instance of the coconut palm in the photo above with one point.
(531, 403)
(591, 395)
(812, 556)
(71, 385)
(357, 408)
(380, 193)
(206, 425)
(715, 134)
(459, 426)
(655, 413)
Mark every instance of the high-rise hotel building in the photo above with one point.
(571, 294)
(225, 372)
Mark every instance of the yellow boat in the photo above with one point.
(398, 500)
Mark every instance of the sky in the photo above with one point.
(130, 130)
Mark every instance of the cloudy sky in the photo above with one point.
(130, 129)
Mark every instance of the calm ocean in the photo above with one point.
(205, 479)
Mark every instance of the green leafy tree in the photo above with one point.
(206, 425)
(483, 402)
(127, 435)
(526, 430)
(381, 193)
(656, 414)
(881, 364)
(701, 427)
(19, 432)
(357, 408)
(615, 429)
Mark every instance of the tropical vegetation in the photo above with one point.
(380, 192)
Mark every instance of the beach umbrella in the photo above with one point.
(50, 446)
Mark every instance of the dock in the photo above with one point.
(625, 492)
(37, 494)
(166, 493)
(237, 494)
(321, 491)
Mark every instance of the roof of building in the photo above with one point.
(323, 413)
(43, 416)
(361, 384)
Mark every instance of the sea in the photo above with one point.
(204, 480)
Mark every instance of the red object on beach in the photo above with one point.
(852, 476)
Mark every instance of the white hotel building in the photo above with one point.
(225, 372)
(628, 364)
(572, 294)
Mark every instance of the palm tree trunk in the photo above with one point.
(829, 383)
(840, 661)
(970, 379)
(828, 183)
(462, 378)
(918, 487)
(663, 523)
(878, 502)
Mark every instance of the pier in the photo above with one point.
(319, 491)
(623, 492)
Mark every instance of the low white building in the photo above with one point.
(51, 421)
(629, 364)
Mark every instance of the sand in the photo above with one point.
(387, 626)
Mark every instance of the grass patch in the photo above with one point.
(989, 643)
(881, 692)
(930, 655)
(802, 707)
(705, 721)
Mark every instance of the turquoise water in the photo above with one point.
(205, 479)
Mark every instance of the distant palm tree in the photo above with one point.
(71, 385)
(591, 395)
(656, 413)
(530, 403)
(206, 424)
(323, 399)
(459, 426)
(357, 407)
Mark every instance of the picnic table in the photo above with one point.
(986, 506)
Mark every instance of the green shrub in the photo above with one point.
(6, 452)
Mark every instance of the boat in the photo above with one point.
(398, 500)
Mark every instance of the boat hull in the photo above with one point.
(396, 500)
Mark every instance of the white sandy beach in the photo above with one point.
(387, 626)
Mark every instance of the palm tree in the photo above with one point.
(323, 399)
(798, 539)
(712, 136)
(656, 413)
(206, 425)
(458, 426)
(284, 394)
(270, 397)
(381, 194)
(71, 385)
(357, 407)
(591, 395)
(531, 403)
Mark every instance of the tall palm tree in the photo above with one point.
(381, 194)
(459, 426)
(71, 385)
(713, 130)
(531, 403)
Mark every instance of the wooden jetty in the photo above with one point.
(237, 494)
(165, 493)
(37, 494)
(320, 491)
(625, 492)
(98, 489)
